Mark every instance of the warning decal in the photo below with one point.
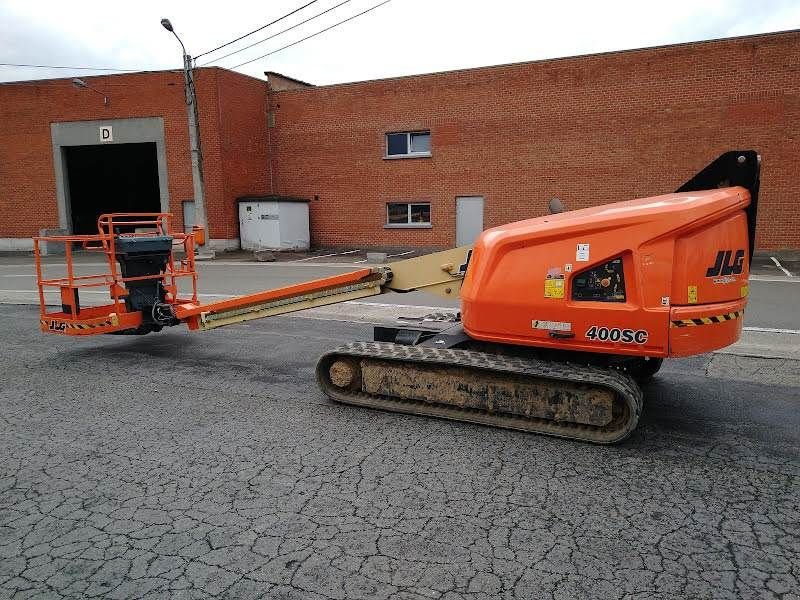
(553, 288)
(554, 283)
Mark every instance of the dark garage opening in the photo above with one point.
(109, 179)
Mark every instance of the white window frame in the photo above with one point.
(409, 153)
(408, 224)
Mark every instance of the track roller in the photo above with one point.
(560, 399)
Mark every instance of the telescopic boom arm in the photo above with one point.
(440, 273)
(143, 275)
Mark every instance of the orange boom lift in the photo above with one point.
(561, 316)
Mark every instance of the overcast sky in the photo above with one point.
(400, 38)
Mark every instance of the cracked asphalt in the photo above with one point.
(183, 465)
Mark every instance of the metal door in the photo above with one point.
(259, 225)
(188, 216)
(469, 219)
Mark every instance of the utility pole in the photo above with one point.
(194, 136)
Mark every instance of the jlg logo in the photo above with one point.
(57, 326)
(724, 266)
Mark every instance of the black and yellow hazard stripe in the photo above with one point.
(82, 326)
(707, 320)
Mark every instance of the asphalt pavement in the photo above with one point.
(185, 465)
(181, 465)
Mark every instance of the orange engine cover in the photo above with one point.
(661, 276)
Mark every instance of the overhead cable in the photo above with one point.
(73, 68)
(308, 37)
(241, 37)
(274, 35)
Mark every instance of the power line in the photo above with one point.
(275, 34)
(72, 68)
(308, 37)
(241, 37)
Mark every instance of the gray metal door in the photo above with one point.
(188, 216)
(469, 219)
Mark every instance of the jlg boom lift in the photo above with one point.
(561, 315)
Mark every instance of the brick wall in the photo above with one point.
(232, 127)
(243, 144)
(588, 130)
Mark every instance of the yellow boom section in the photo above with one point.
(440, 273)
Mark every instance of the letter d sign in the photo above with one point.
(106, 134)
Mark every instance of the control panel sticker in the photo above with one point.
(582, 253)
(692, 294)
(551, 325)
(614, 334)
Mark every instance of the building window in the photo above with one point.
(408, 214)
(408, 144)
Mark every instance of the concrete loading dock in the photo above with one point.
(108, 166)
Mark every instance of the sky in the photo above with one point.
(401, 37)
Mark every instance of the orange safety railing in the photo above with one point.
(76, 320)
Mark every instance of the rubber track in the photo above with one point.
(624, 386)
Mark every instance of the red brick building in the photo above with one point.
(588, 129)
(232, 116)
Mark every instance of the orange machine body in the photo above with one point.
(658, 277)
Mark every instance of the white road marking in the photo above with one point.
(105, 292)
(780, 266)
(199, 265)
(774, 279)
(45, 265)
(389, 305)
(771, 330)
(350, 302)
(83, 291)
(315, 257)
(272, 265)
(356, 262)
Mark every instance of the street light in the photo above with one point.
(194, 134)
(80, 83)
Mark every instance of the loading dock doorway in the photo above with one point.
(110, 178)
